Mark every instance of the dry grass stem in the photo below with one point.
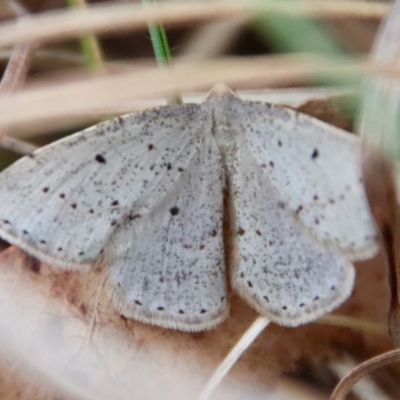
(345, 321)
(73, 96)
(16, 145)
(231, 359)
(17, 67)
(61, 25)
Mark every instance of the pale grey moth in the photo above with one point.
(173, 200)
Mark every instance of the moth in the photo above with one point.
(175, 201)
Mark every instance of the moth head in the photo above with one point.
(220, 90)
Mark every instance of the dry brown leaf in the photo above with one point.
(63, 325)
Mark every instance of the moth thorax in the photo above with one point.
(224, 136)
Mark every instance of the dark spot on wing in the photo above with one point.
(241, 231)
(203, 311)
(266, 298)
(43, 241)
(25, 232)
(115, 203)
(181, 312)
(271, 163)
(73, 205)
(281, 204)
(180, 169)
(213, 233)
(100, 159)
(45, 189)
(249, 284)
(316, 298)
(131, 217)
(284, 308)
(174, 211)
(315, 154)
(62, 196)
(201, 246)
(298, 209)
(258, 232)
(150, 146)
(160, 308)
(138, 302)
(279, 143)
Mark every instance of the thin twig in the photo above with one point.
(345, 385)
(17, 68)
(14, 77)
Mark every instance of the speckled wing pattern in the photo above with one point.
(65, 202)
(173, 273)
(317, 169)
(143, 196)
(278, 268)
